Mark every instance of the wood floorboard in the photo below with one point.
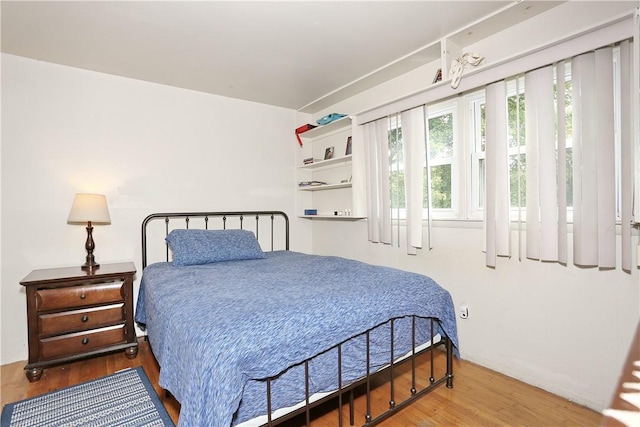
(480, 397)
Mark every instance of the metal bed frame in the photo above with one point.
(258, 221)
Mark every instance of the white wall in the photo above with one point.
(148, 147)
(564, 329)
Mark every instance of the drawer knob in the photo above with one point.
(85, 341)
(83, 296)
(84, 319)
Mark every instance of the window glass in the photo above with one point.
(396, 167)
(441, 186)
(441, 150)
(517, 141)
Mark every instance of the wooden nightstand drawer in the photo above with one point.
(81, 342)
(78, 320)
(79, 296)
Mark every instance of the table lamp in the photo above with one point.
(89, 208)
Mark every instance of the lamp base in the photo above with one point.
(89, 267)
(90, 263)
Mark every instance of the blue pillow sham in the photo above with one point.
(195, 247)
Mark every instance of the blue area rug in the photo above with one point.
(125, 398)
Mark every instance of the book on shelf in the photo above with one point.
(310, 160)
(311, 183)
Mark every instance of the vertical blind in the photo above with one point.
(497, 173)
(627, 154)
(376, 149)
(593, 103)
(593, 163)
(542, 183)
(414, 143)
(561, 120)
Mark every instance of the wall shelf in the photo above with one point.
(334, 217)
(322, 130)
(337, 195)
(324, 187)
(329, 162)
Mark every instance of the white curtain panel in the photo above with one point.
(376, 147)
(626, 154)
(635, 98)
(593, 160)
(606, 158)
(561, 121)
(497, 174)
(542, 183)
(413, 144)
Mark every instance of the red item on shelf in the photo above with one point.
(303, 129)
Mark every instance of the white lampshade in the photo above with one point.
(89, 207)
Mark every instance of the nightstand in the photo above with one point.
(74, 313)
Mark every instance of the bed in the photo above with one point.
(247, 332)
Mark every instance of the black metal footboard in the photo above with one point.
(436, 377)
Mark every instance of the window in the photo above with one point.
(458, 185)
(396, 172)
(516, 139)
(477, 140)
(442, 134)
(517, 145)
(568, 131)
(525, 180)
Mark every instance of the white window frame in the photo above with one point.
(452, 107)
(436, 110)
(475, 181)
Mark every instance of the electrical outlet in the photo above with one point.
(464, 312)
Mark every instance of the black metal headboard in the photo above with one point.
(266, 225)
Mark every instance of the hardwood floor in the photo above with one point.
(480, 397)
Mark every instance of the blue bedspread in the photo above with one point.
(217, 328)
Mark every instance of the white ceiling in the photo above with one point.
(287, 54)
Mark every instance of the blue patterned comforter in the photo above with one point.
(217, 329)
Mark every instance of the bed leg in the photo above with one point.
(413, 356)
(339, 385)
(432, 378)
(269, 402)
(392, 400)
(306, 380)
(449, 346)
(352, 416)
(367, 416)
